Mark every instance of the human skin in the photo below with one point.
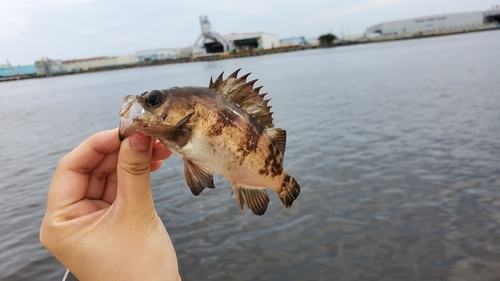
(100, 220)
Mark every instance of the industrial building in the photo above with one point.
(157, 54)
(98, 62)
(47, 66)
(249, 41)
(7, 70)
(429, 23)
(493, 15)
(211, 42)
(295, 41)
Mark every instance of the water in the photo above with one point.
(396, 147)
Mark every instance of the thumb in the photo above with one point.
(133, 172)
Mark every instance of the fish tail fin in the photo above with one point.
(290, 190)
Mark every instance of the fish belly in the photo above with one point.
(224, 158)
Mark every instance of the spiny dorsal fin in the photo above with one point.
(245, 95)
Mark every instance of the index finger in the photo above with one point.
(71, 177)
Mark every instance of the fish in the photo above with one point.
(226, 128)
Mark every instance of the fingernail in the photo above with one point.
(139, 141)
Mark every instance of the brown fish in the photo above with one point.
(226, 128)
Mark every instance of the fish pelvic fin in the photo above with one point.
(256, 198)
(245, 95)
(197, 177)
(290, 190)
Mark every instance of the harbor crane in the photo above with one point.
(211, 39)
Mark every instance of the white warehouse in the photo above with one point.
(157, 54)
(255, 40)
(429, 23)
(98, 62)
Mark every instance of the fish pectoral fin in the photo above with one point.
(197, 177)
(280, 139)
(256, 198)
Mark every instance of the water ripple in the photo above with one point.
(395, 146)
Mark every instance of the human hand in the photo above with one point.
(100, 221)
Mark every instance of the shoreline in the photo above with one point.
(260, 52)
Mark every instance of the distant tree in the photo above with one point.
(327, 39)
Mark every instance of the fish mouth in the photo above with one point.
(130, 111)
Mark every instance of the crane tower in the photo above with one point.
(213, 41)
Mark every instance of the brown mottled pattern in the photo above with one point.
(286, 180)
(223, 124)
(224, 119)
(273, 165)
(215, 133)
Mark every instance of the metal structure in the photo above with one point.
(493, 15)
(17, 74)
(47, 66)
(213, 41)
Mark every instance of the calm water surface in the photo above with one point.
(396, 146)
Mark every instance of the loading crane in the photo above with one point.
(211, 39)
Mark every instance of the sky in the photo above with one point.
(72, 29)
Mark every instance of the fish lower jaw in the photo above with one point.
(128, 127)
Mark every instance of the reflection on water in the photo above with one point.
(396, 147)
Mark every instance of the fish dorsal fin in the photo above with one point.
(245, 95)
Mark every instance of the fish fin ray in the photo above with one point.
(197, 177)
(256, 198)
(280, 139)
(245, 95)
(217, 83)
(290, 191)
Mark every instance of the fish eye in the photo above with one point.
(153, 98)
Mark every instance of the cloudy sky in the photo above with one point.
(70, 29)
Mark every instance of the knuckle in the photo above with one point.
(135, 168)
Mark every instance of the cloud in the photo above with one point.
(11, 21)
(367, 5)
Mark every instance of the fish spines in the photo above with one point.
(211, 85)
(290, 190)
(242, 93)
(236, 88)
(245, 95)
(224, 87)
